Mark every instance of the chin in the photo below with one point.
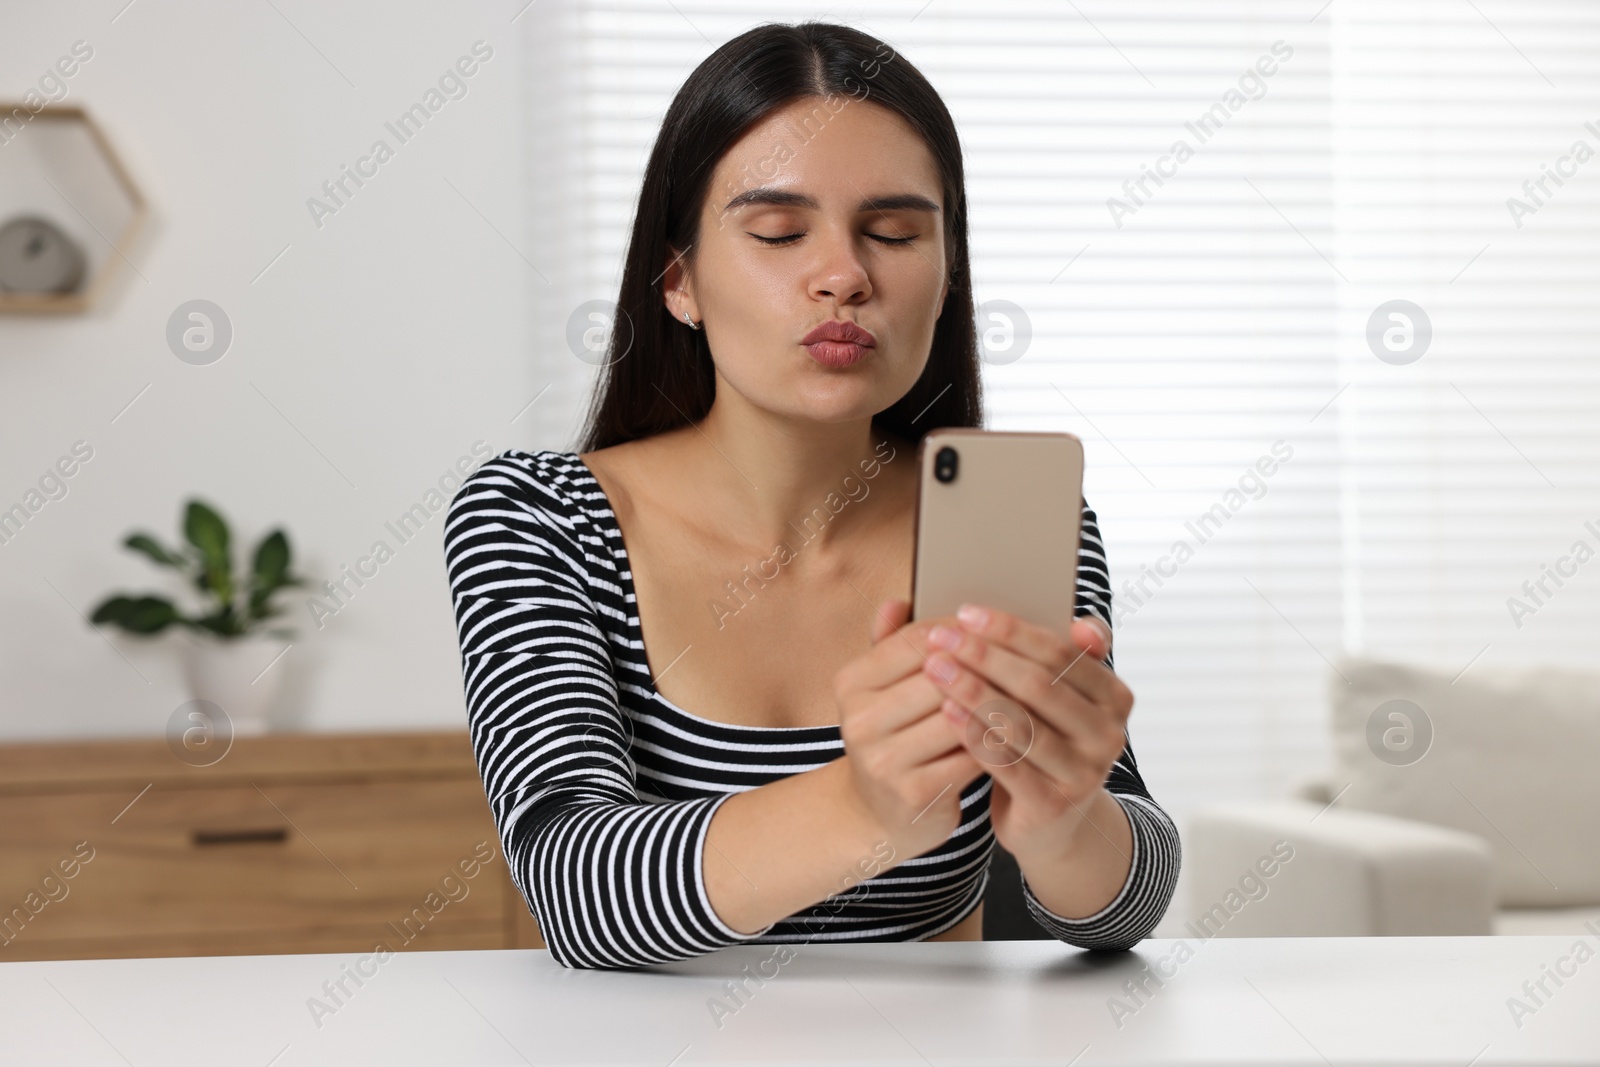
(868, 386)
(838, 406)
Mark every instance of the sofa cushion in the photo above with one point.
(1507, 753)
(1292, 868)
(1549, 922)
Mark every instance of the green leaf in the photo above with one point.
(140, 615)
(148, 545)
(271, 573)
(272, 559)
(259, 598)
(110, 610)
(207, 532)
(207, 557)
(216, 623)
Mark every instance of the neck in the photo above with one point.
(788, 480)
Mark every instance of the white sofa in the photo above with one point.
(1465, 805)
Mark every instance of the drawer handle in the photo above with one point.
(265, 836)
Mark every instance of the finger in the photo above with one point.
(896, 708)
(890, 616)
(1086, 633)
(1022, 763)
(966, 685)
(897, 654)
(1091, 633)
(1062, 657)
(998, 733)
(924, 741)
(994, 672)
(991, 681)
(1031, 786)
(1003, 733)
(952, 774)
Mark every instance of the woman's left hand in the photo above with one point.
(1042, 713)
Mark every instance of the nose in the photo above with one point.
(839, 273)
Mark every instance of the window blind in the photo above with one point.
(1186, 221)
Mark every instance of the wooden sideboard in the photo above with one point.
(288, 843)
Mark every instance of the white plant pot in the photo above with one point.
(229, 674)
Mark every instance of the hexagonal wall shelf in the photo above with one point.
(68, 209)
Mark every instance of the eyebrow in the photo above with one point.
(783, 198)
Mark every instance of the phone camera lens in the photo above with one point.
(944, 464)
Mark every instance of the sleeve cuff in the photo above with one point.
(1144, 896)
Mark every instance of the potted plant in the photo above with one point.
(232, 645)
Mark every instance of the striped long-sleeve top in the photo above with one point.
(602, 789)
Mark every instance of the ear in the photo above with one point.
(677, 287)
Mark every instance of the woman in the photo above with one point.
(701, 715)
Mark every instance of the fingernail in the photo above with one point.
(973, 615)
(941, 636)
(955, 712)
(942, 669)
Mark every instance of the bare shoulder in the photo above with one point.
(626, 471)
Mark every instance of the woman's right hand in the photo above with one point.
(907, 763)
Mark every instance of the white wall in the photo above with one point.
(365, 361)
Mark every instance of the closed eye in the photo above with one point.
(790, 238)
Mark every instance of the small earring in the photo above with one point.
(692, 324)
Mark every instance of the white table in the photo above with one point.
(1237, 1001)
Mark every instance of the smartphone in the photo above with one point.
(999, 516)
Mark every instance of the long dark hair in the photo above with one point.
(659, 374)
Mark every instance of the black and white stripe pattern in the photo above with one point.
(603, 790)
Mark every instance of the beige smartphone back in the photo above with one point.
(998, 520)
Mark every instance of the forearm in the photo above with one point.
(1089, 867)
(780, 848)
(1084, 907)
